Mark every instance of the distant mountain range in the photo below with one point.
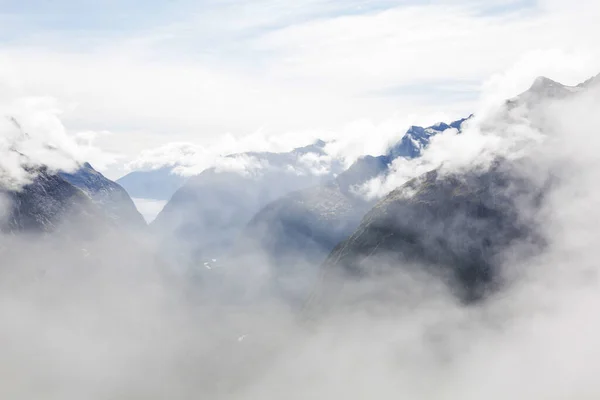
(220, 208)
(159, 184)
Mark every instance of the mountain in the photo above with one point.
(304, 226)
(417, 139)
(106, 194)
(47, 204)
(205, 216)
(159, 184)
(456, 226)
(544, 90)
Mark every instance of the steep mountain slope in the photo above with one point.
(107, 195)
(304, 224)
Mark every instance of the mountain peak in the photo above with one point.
(542, 89)
(541, 83)
(319, 143)
(417, 138)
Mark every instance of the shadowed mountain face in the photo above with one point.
(107, 195)
(303, 225)
(454, 226)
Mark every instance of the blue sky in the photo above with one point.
(110, 18)
(145, 74)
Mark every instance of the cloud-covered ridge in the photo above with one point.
(32, 136)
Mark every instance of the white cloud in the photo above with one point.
(314, 164)
(242, 164)
(169, 155)
(90, 152)
(412, 44)
(344, 145)
(295, 71)
(188, 159)
(293, 68)
(32, 135)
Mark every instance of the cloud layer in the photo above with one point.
(314, 65)
(122, 330)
